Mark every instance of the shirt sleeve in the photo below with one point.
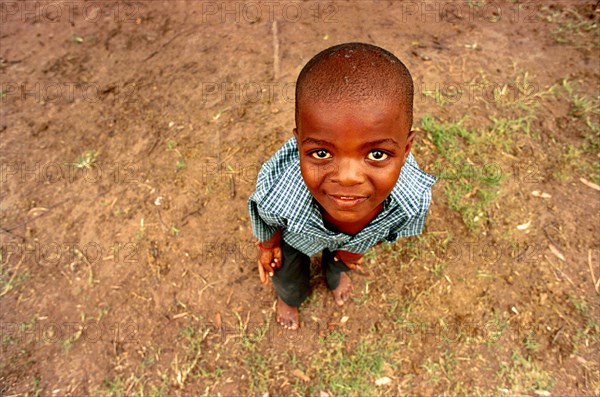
(266, 221)
(264, 224)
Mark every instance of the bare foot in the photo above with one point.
(342, 293)
(287, 315)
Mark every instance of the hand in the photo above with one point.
(268, 261)
(351, 260)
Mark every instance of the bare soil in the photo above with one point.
(135, 273)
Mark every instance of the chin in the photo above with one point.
(347, 216)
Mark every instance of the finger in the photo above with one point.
(267, 262)
(267, 266)
(261, 273)
(277, 258)
(269, 269)
(360, 261)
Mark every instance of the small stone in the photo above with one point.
(383, 381)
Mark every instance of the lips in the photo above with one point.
(346, 201)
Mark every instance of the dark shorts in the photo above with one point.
(292, 279)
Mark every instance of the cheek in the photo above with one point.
(384, 182)
(312, 176)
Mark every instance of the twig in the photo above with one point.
(8, 286)
(545, 228)
(155, 142)
(164, 227)
(168, 42)
(205, 287)
(275, 51)
(563, 317)
(562, 273)
(596, 282)
(9, 229)
(184, 220)
(228, 156)
(557, 335)
(231, 187)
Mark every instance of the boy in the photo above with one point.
(346, 181)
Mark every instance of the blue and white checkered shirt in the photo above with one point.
(282, 200)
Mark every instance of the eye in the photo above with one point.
(321, 154)
(377, 155)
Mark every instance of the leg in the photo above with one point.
(292, 283)
(336, 277)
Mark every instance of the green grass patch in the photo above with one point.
(10, 278)
(469, 186)
(576, 160)
(343, 371)
(572, 28)
(523, 375)
(260, 368)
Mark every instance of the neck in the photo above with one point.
(350, 228)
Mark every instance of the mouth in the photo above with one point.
(346, 201)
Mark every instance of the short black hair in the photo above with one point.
(355, 72)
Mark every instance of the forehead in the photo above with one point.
(371, 119)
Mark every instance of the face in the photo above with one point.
(351, 156)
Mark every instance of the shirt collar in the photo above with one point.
(290, 198)
(408, 191)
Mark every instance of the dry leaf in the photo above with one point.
(37, 209)
(556, 252)
(590, 184)
(524, 226)
(537, 193)
(344, 319)
(218, 321)
(300, 375)
(383, 381)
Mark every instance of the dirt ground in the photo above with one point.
(131, 135)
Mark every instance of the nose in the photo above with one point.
(348, 172)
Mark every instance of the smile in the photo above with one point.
(346, 202)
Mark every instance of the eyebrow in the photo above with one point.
(378, 142)
(320, 142)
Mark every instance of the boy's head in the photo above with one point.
(355, 72)
(353, 127)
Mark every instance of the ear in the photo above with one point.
(409, 141)
(296, 133)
